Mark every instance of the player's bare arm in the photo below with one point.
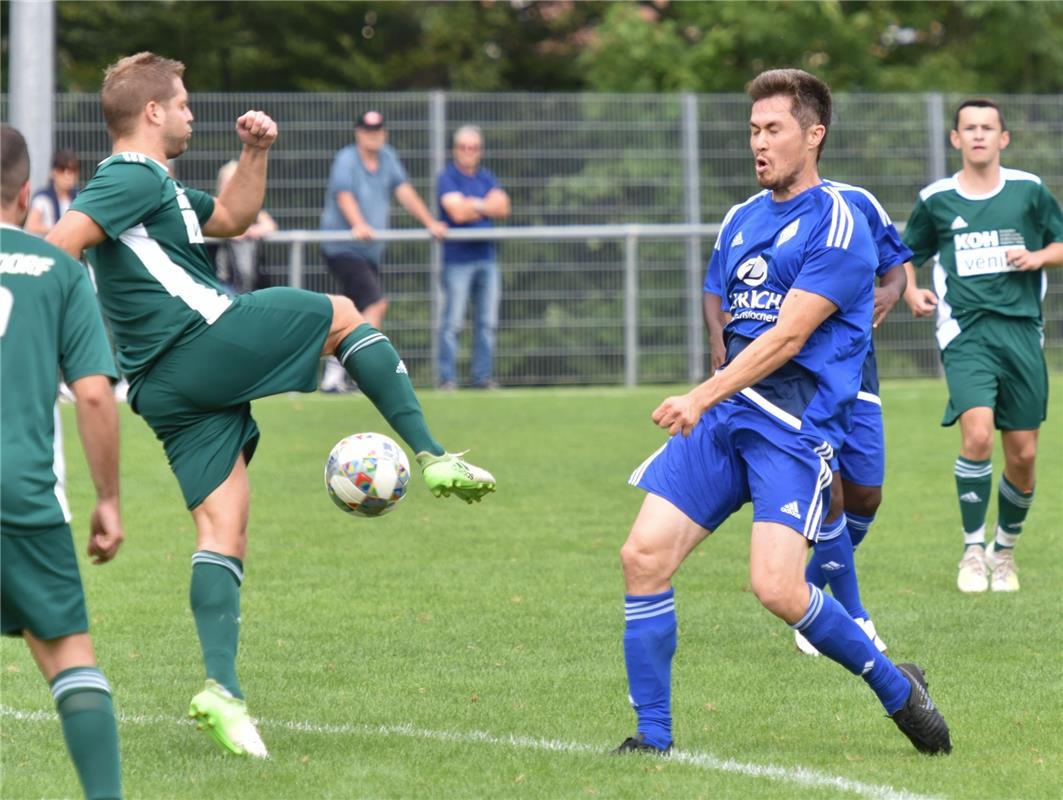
(922, 302)
(1028, 260)
(407, 195)
(75, 233)
(714, 322)
(890, 289)
(241, 199)
(800, 314)
(97, 417)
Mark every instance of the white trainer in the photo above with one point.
(869, 628)
(974, 574)
(1004, 575)
(804, 645)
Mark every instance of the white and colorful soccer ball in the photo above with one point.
(366, 474)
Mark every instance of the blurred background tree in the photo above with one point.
(562, 45)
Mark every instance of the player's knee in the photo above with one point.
(1022, 458)
(639, 561)
(978, 443)
(785, 599)
(863, 500)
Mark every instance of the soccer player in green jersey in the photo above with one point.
(50, 324)
(991, 232)
(196, 357)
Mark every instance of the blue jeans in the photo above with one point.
(479, 280)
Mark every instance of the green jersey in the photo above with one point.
(156, 282)
(968, 237)
(49, 322)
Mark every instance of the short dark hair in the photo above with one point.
(65, 159)
(810, 96)
(978, 102)
(14, 164)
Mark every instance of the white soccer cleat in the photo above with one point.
(974, 573)
(1004, 575)
(804, 645)
(869, 628)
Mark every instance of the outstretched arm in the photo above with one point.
(97, 418)
(239, 202)
(800, 314)
(411, 201)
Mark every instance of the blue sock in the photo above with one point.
(836, 636)
(649, 644)
(834, 551)
(858, 526)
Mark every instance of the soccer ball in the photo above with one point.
(366, 474)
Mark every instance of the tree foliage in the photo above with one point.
(520, 45)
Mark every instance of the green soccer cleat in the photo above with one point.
(225, 718)
(449, 474)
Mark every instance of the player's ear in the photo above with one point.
(954, 139)
(815, 135)
(1005, 139)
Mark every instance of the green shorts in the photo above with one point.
(999, 363)
(40, 586)
(197, 396)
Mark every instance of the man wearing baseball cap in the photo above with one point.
(363, 179)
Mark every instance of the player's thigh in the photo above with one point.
(972, 370)
(701, 474)
(862, 457)
(1022, 400)
(268, 342)
(40, 585)
(789, 477)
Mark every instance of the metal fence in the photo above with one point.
(590, 159)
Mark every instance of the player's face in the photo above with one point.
(467, 152)
(177, 121)
(781, 150)
(979, 136)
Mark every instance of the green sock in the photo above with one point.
(1013, 505)
(372, 362)
(83, 700)
(974, 484)
(215, 599)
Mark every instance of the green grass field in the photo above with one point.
(452, 651)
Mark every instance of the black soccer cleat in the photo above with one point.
(919, 719)
(638, 744)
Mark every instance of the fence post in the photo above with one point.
(437, 148)
(935, 114)
(295, 265)
(692, 196)
(631, 309)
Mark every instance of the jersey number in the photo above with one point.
(7, 300)
(195, 233)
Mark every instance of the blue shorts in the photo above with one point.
(862, 457)
(736, 454)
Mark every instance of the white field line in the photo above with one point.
(798, 776)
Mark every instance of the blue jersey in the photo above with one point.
(891, 252)
(479, 184)
(815, 243)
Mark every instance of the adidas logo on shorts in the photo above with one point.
(792, 509)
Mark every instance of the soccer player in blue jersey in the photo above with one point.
(798, 268)
(859, 470)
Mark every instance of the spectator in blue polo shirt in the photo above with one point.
(469, 197)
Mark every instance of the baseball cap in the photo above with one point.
(370, 121)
